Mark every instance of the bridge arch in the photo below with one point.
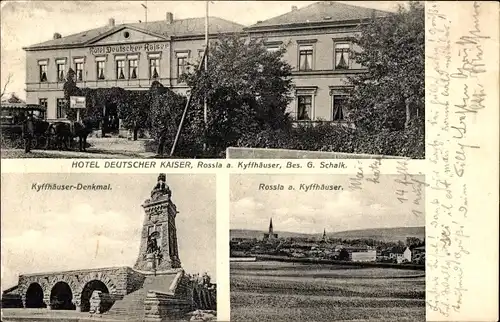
(61, 297)
(34, 296)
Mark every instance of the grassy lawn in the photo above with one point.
(260, 293)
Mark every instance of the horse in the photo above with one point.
(64, 133)
(33, 130)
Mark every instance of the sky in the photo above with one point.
(25, 23)
(376, 206)
(63, 230)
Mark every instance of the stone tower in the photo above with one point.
(159, 250)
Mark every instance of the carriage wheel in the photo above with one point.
(34, 143)
(18, 143)
(42, 140)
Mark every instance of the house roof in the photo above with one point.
(178, 28)
(324, 11)
(397, 249)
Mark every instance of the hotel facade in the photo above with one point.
(317, 38)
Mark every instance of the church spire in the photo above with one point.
(324, 234)
(271, 226)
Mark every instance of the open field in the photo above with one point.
(277, 291)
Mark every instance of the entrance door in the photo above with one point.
(110, 122)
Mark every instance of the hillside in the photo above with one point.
(248, 233)
(385, 234)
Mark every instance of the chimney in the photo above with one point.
(111, 22)
(169, 17)
(57, 35)
(294, 8)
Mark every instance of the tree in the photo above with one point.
(7, 82)
(413, 242)
(390, 96)
(247, 89)
(166, 109)
(14, 98)
(134, 111)
(343, 255)
(70, 89)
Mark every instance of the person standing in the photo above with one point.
(28, 130)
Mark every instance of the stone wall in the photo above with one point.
(161, 307)
(135, 280)
(116, 280)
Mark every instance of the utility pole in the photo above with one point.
(144, 5)
(205, 103)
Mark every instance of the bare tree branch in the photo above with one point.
(9, 78)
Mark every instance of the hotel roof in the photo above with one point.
(177, 28)
(321, 12)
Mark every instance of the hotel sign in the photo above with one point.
(77, 101)
(131, 48)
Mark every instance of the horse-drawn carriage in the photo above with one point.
(12, 118)
(24, 122)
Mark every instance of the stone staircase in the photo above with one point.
(130, 308)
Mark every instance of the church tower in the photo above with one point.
(270, 235)
(159, 250)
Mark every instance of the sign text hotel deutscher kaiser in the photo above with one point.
(127, 48)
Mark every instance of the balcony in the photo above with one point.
(101, 83)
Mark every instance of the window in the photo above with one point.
(305, 57)
(339, 103)
(342, 56)
(304, 107)
(273, 49)
(120, 69)
(61, 108)
(42, 102)
(154, 65)
(181, 64)
(132, 69)
(61, 67)
(43, 73)
(101, 65)
(79, 71)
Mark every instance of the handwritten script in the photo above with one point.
(455, 95)
(408, 188)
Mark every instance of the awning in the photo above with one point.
(23, 106)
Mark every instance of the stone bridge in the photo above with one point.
(71, 290)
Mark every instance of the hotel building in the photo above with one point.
(317, 40)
